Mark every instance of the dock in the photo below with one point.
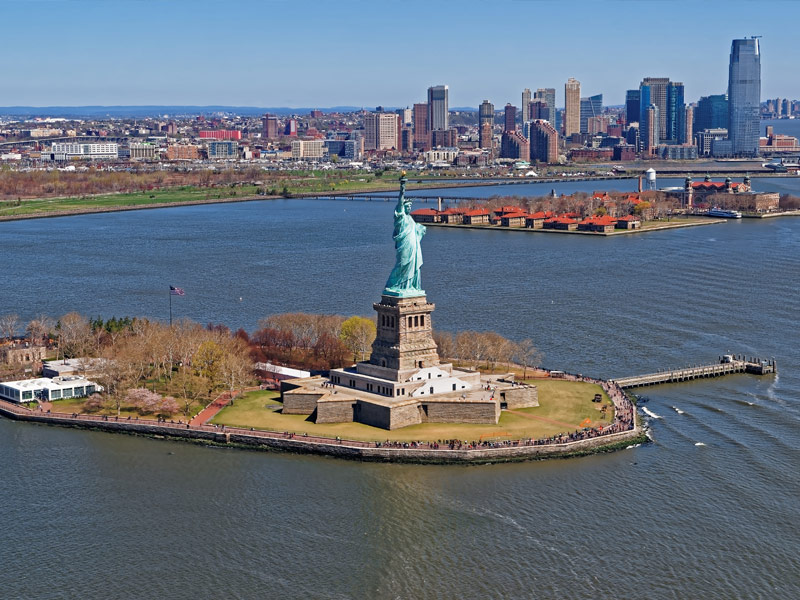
(727, 365)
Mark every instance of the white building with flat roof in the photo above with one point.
(30, 390)
(67, 150)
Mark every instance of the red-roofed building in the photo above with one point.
(629, 222)
(453, 216)
(561, 223)
(426, 215)
(516, 219)
(477, 216)
(604, 224)
(536, 220)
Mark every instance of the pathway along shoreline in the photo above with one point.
(416, 452)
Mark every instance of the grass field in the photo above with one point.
(189, 194)
(104, 201)
(564, 406)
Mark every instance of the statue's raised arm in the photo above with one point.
(404, 280)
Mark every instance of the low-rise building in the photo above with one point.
(477, 216)
(313, 149)
(223, 149)
(629, 222)
(426, 215)
(90, 151)
(21, 354)
(44, 389)
(72, 366)
(183, 152)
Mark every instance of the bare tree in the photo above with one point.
(74, 335)
(39, 329)
(527, 355)
(9, 324)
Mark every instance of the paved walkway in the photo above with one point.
(210, 411)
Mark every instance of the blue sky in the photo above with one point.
(327, 53)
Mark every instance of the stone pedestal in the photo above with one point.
(404, 341)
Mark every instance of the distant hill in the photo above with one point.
(84, 112)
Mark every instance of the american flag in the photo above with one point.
(176, 291)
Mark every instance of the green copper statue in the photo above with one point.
(405, 281)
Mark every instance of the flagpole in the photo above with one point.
(170, 308)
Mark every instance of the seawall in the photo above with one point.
(349, 449)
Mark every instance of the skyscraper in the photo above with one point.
(711, 113)
(632, 108)
(543, 142)
(648, 129)
(676, 115)
(590, 107)
(510, 118)
(270, 127)
(380, 131)
(485, 124)
(526, 100)
(572, 107)
(548, 96)
(438, 115)
(744, 96)
(419, 122)
(657, 95)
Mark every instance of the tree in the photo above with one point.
(208, 363)
(527, 355)
(74, 335)
(39, 329)
(358, 333)
(445, 344)
(9, 324)
(94, 403)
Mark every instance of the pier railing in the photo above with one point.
(726, 366)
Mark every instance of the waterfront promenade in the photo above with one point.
(625, 429)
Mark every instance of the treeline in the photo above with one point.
(155, 368)
(487, 349)
(789, 202)
(45, 184)
(653, 203)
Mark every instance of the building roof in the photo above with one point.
(58, 383)
(476, 212)
(425, 212)
(713, 185)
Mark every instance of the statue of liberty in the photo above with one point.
(404, 280)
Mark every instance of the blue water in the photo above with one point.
(95, 515)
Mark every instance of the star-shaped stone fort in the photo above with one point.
(404, 382)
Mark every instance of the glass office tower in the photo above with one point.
(744, 96)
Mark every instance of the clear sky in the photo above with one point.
(306, 53)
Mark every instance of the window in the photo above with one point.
(410, 322)
(416, 321)
(422, 320)
(27, 395)
(431, 389)
(454, 387)
(55, 394)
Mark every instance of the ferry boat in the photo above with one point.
(725, 214)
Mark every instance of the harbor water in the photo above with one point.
(708, 509)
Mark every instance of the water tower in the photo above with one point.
(650, 175)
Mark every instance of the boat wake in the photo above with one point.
(699, 444)
(650, 413)
(678, 410)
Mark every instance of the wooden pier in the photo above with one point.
(727, 365)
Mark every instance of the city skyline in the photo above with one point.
(164, 52)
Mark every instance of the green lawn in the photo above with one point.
(564, 406)
(303, 185)
(167, 195)
(76, 405)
